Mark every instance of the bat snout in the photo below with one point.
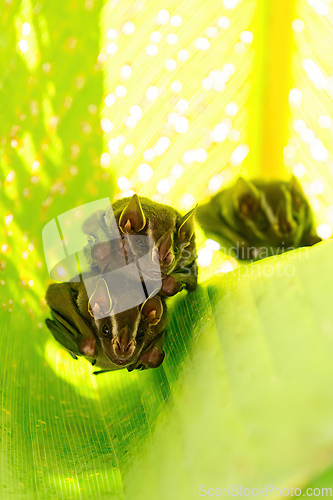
(124, 344)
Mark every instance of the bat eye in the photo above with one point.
(91, 240)
(105, 330)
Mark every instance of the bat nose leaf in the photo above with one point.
(124, 339)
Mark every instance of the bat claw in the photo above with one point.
(73, 355)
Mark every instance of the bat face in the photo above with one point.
(116, 332)
(117, 335)
(115, 341)
(123, 335)
(261, 214)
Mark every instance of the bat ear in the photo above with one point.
(152, 309)
(295, 185)
(100, 302)
(164, 248)
(246, 197)
(296, 190)
(286, 225)
(132, 217)
(186, 228)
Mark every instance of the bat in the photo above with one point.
(258, 218)
(173, 236)
(113, 342)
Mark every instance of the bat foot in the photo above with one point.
(170, 286)
(152, 359)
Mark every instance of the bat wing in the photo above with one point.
(63, 335)
(67, 324)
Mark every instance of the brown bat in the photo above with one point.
(260, 218)
(111, 342)
(118, 333)
(172, 235)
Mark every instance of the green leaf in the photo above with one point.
(243, 397)
(253, 402)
